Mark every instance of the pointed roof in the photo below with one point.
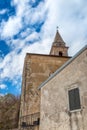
(58, 40)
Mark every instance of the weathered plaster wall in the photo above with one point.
(55, 114)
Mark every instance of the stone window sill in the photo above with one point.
(77, 110)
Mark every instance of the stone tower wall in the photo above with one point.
(55, 51)
(37, 69)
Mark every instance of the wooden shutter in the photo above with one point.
(74, 99)
(71, 100)
(77, 99)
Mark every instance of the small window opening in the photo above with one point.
(60, 53)
(74, 99)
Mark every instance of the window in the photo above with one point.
(60, 53)
(74, 99)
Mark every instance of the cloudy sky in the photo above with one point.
(30, 26)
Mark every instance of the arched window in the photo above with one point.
(60, 53)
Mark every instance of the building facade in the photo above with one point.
(64, 96)
(37, 68)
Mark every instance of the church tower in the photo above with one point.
(59, 47)
(37, 69)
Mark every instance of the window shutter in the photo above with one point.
(71, 100)
(77, 99)
(74, 99)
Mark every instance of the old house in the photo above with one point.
(64, 96)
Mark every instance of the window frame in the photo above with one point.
(71, 88)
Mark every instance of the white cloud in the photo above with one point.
(70, 16)
(32, 37)
(3, 11)
(25, 33)
(23, 11)
(3, 86)
(14, 23)
(11, 27)
(39, 13)
(12, 66)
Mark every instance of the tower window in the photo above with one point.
(60, 53)
(74, 99)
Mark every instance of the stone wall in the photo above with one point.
(55, 113)
(37, 68)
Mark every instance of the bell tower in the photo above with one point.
(59, 47)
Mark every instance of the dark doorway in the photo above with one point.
(60, 53)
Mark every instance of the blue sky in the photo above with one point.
(30, 26)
